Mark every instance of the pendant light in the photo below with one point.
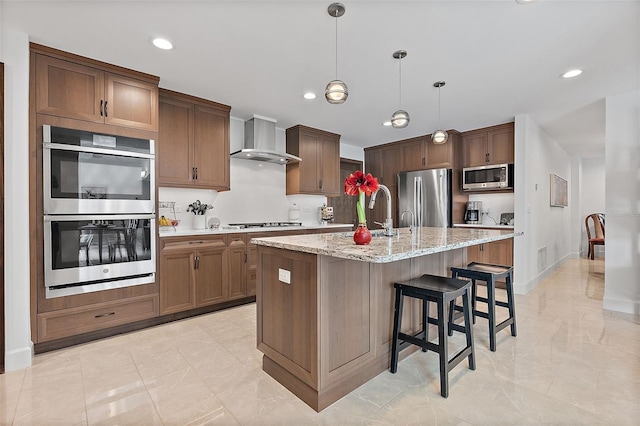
(336, 91)
(439, 136)
(400, 118)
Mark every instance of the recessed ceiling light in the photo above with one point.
(162, 43)
(386, 124)
(309, 95)
(572, 73)
(525, 1)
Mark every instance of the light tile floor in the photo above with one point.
(572, 363)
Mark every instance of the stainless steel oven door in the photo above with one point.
(85, 173)
(86, 253)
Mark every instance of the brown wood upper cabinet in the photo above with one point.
(490, 145)
(193, 142)
(81, 91)
(319, 170)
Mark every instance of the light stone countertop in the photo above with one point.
(168, 231)
(404, 245)
(480, 225)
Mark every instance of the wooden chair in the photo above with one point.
(598, 231)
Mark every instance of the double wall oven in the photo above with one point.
(99, 211)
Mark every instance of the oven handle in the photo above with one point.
(70, 218)
(63, 147)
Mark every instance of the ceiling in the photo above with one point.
(499, 58)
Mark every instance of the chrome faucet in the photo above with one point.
(388, 222)
(412, 225)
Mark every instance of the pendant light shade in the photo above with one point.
(336, 91)
(439, 136)
(400, 119)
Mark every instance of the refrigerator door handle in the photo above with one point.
(419, 201)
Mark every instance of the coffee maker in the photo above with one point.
(473, 213)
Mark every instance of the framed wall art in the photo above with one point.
(559, 191)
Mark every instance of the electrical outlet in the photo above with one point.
(487, 211)
(284, 276)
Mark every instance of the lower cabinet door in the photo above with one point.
(212, 284)
(177, 280)
(237, 267)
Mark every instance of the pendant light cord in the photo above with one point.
(336, 44)
(400, 83)
(439, 87)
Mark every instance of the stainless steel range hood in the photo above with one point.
(260, 142)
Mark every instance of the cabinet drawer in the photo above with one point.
(55, 325)
(195, 244)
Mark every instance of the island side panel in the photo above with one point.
(347, 318)
(287, 312)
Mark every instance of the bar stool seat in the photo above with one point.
(488, 273)
(442, 291)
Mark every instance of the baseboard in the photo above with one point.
(18, 358)
(624, 306)
(524, 288)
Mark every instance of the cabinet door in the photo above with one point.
(329, 167)
(175, 143)
(211, 148)
(475, 254)
(237, 267)
(500, 145)
(131, 103)
(391, 165)
(474, 150)
(65, 89)
(413, 155)
(252, 264)
(309, 172)
(373, 162)
(212, 284)
(439, 155)
(499, 252)
(177, 280)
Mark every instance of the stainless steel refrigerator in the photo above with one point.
(426, 193)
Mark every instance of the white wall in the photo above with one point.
(14, 52)
(592, 198)
(622, 200)
(546, 242)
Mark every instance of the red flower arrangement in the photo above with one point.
(360, 184)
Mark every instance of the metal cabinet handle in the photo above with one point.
(196, 262)
(320, 183)
(423, 161)
(245, 257)
(193, 173)
(108, 314)
(101, 106)
(486, 158)
(196, 242)
(105, 109)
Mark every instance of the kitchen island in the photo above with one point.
(325, 305)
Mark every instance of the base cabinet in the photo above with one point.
(497, 253)
(192, 274)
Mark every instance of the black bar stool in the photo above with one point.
(442, 291)
(489, 274)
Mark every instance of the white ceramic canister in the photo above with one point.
(199, 221)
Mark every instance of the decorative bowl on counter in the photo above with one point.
(165, 222)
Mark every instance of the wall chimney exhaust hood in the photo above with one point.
(260, 142)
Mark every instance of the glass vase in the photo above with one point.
(362, 236)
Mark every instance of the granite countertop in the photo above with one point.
(169, 231)
(404, 245)
(481, 225)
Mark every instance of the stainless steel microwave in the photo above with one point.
(481, 178)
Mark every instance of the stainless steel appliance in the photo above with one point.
(473, 214)
(85, 253)
(498, 176)
(427, 194)
(90, 173)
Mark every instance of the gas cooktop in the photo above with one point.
(265, 224)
